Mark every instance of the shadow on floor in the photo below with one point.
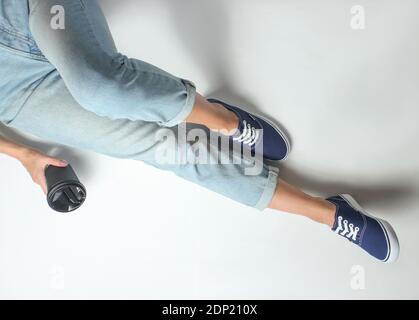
(201, 26)
(389, 196)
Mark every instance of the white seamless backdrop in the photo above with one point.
(348, 98)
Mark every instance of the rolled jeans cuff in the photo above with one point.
(187, 107)
(269, 189)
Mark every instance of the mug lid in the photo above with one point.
(66, 196)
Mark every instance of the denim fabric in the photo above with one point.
(73, 87)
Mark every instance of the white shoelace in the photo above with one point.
(249, 136)
(346, 229)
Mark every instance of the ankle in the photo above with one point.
(329, 215)
(228, 120)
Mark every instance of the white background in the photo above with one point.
(349, 99)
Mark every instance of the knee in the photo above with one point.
(89, 87)
(95, 82)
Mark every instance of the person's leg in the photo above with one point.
(107, 82)
(290, 199)
(344, 216)
(52, 113)
(212, 115)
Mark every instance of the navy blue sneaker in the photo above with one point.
(374, 235)
(255, 130)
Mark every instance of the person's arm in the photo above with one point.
(34, 161)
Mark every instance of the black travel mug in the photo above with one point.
(65, 192)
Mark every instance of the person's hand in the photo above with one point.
(36, 162)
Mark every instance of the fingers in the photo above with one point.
(56, 162)
(50, 161)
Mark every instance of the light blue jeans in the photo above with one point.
(73, 87)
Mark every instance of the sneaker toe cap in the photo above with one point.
(378, 240)
(275, 143)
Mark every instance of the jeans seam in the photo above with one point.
(15, 33)
(22, 53)
(29, 96)
(264, 201)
